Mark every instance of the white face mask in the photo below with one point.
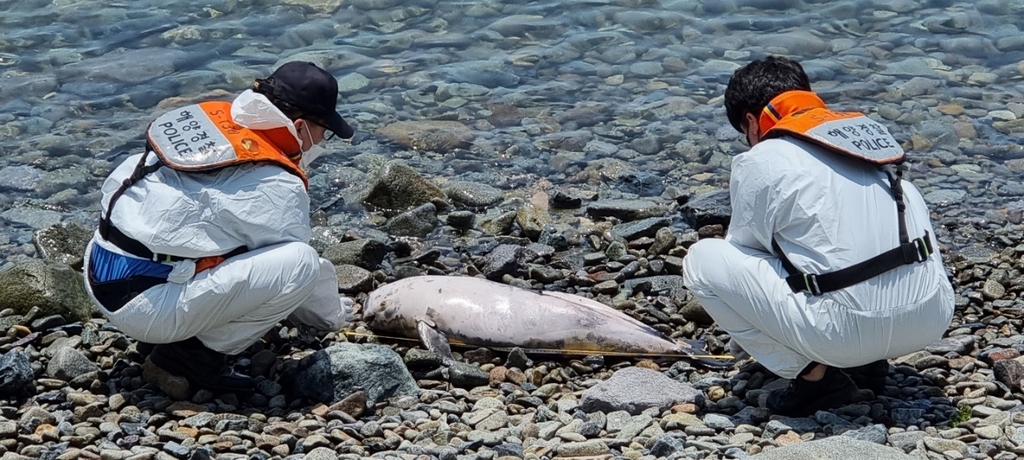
(312, 153)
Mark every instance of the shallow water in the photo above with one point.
(567, 93)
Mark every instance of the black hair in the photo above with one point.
(264, 86)
(754, 85)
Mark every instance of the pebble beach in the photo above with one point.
(578, 146)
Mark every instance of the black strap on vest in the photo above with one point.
(908, 252)
(128, 244)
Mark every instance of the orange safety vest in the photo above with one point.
(203, 137)
(803, 114)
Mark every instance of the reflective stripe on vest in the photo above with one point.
(803, 114)
(203, 137)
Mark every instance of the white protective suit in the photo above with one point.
(827, 212)
(257, 205)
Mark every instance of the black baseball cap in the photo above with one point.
(309, 88)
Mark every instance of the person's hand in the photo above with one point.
(346, 309)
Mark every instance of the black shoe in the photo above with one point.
(144, 349)
(201, 366)
(804, 398)
(870, 376)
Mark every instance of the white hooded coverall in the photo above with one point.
(230, 306)
(827, 212)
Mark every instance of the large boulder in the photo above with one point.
(834, 448)
(397, 187)
(53, 287)
(331, 374)
(635, 389)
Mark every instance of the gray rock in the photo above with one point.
(907, 441)
(834, 448)
(461, 219)
(506, 259)
(22, 178)
(500, 224)
(945, 197)
(635, 389)
(960, 344)
(473, 195)
(626, 210)
(53, 287)
(1010, 372)
(667, 445)
(693, 311)
(417, 222)
(64, 243)
(464, 375)
(353, 279)
(641, 183)
(562, 200)
(397, 188)
(69, 363)
(366, 253)
(418, 359)
(718, 422)
(533, 216)
(15, 373)
(321, 453)
(641, 228)
(873, 433)
(333, 373)
(517, 358)
(573, 141)
(434, 135)
(668, 284)
(708, 209)
(34, 417)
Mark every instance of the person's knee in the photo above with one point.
(305, 263)
(699, 262)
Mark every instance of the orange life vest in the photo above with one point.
(203, 137)
(804, 115)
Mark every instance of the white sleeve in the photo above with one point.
(753, 200)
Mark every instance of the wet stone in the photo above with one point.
(640, 228)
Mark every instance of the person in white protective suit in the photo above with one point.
(202, 247)
(829, 265)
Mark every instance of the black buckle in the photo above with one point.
(811, 284)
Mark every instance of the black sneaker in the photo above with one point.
(804, 398)
(201, 366)
(870, 376)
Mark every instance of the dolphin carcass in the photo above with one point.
(478, 312)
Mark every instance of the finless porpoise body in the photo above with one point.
(484, 313)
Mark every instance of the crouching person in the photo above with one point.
(202, 244)
(830, 265)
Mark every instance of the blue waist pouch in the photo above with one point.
(106, 266)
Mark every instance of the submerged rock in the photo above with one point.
(398, 187)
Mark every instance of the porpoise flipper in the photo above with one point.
(436, 342)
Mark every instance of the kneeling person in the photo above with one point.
(830, 261)
(202, 245)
